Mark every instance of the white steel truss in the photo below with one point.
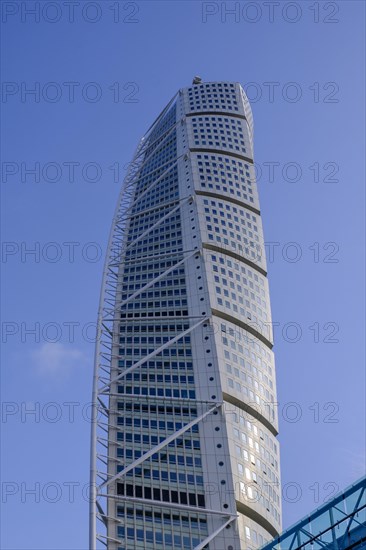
(103, 348)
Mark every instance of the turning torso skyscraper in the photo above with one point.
(184, 452)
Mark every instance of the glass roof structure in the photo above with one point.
(339, 524)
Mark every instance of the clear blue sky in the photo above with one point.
(321, 54)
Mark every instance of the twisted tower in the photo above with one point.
(184, 452)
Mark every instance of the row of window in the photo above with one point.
(145, 248)
(158, 365)
(171, 351)
(152, 440)
(203, 86)
(157, 537)
(169, 227)
(165, 327)
(156, 304)
(144, 314)
(145, 277)
(160, 392)
(149, 408)
(166, 518)
(214, 137)
(161, 266)
(150, 424)
(213, 101)
(161, 458)
(164, 476)
(168, 352)
(178, 350)
(159, 378)
(156, 293)
(153, 235)
(152, 339)
(164, 495)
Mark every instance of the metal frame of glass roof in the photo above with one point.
(339, 524)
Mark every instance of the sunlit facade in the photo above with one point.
(184, 449)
